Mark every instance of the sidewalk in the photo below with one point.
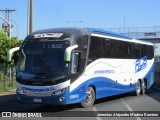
(9, 92)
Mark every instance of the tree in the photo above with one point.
(7, 43)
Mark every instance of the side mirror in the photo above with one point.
(75, 61)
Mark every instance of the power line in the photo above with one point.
(74, 22)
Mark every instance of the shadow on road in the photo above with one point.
(154, 93)
(115, 97)
(6, 98)
(9, 103)
(56, 108)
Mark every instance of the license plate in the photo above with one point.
(37, 100)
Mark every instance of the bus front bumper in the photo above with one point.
(53, 99)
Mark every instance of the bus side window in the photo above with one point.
(128, 50)
(95, 50)
(150, 52)
(143, 50)
(136, 50)
(107, 42)
(75, 62)
(106, 45)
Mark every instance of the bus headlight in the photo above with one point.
(58, 92)
(20, 91)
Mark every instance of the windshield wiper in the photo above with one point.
(58, 78)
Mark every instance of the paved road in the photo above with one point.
(127, 102)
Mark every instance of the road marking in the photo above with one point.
(129, 108)
(95, 110)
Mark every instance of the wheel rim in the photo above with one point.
(89, 96)
(144, 88)
(138, 89)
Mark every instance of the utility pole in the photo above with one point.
(30, 17)
(9, 24)
(6, 25)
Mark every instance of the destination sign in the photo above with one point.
(53, 45)
(48, 35)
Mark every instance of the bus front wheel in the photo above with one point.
(90, 98)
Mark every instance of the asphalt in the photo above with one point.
(8, 95)
(126, 102)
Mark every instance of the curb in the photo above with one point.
(9, 92)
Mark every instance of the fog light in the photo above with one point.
(61, 99)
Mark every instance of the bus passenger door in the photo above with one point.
(75, 66)
(75, 71)
(75, 63)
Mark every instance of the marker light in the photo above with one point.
(20, 91)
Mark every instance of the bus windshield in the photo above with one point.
(44, 59)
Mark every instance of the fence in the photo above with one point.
(157, 58)
(7, 83)
(139, 32)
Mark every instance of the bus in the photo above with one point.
(63, 66)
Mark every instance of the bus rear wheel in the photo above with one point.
(138, 88)
(144, 87)
(90, 98)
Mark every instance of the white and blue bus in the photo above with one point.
(79, 65)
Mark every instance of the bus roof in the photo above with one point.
(84, 31)
(109, 33)
(87, 31)
(117, 35)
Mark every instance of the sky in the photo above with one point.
(93, 13)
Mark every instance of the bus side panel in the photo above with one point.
(103, 87)
(78, 94)
(106, 87)
(117, 88)
(110, 77)
(150, 77)
(146, 72)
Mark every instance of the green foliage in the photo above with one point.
(7, 43)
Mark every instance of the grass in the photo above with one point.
(4, 86)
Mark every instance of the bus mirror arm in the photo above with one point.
(10, 53)
(68, 51)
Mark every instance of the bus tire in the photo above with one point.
(90, 98)
(144, 87)
(138, 88)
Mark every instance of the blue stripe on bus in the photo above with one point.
(104, 87)
(107, 87)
